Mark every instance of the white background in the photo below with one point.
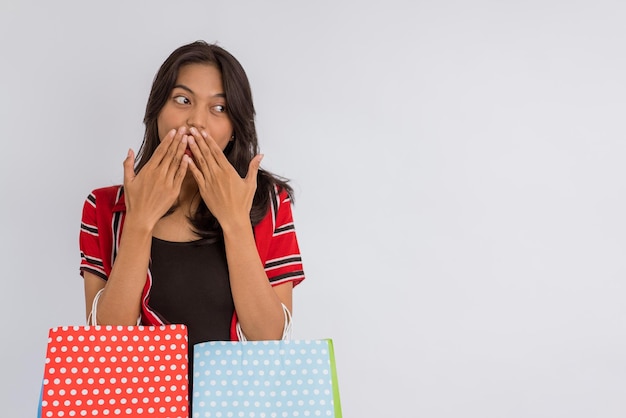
(459, 175)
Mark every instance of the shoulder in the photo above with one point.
(281, 196)
(107, 192)
(101, 206)
(274, 186)
(105, 196)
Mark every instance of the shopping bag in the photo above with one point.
(284, 378)
(117, 371)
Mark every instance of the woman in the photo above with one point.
(198, 234)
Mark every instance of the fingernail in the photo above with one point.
(204, 134)
(181, 129)
(194, 130)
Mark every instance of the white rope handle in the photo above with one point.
(286, 326)
(92, 319)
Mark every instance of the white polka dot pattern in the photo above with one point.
(116, 371)
(262, 379)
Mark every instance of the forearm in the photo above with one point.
(120, 302)
(258, 307)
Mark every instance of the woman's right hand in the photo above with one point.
(152, 192)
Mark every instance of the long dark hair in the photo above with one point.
(240, 110)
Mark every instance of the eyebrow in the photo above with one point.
(182, 86)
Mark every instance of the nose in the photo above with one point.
(197, 118)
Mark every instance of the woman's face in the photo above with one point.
(197, 100)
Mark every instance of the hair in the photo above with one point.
(240, 110)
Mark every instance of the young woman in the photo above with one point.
(198, 234)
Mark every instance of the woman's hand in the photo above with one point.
(153, 191)
(227, 195)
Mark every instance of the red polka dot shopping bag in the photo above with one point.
(116, 371)
(265, 379)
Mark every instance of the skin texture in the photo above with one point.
(194, 128)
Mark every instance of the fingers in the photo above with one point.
(253, 169)
(179, 176)
(166, 152)
(175, 156)
(174, 149)
(211, 151)
(167, 158)
(200, 150)
(163, 147)
(195, 171)
(214, 149)
(129, 167)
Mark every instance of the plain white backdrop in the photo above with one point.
(459, 175)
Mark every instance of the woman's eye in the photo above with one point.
(220, 108)
(181, 100)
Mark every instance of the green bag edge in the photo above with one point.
(333, 372)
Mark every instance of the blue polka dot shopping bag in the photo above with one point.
(265, 379)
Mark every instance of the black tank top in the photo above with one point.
(190, 285)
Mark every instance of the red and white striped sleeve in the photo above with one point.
(278, 244)
(89, 240)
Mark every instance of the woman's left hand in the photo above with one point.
(227, 195)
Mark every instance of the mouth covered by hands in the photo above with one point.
(227, 195)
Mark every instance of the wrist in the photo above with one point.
(236, 227)
(138, 225)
